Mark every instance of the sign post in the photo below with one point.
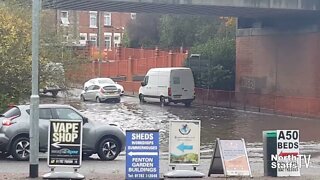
(142, 154)
(64, 148)
(230, 158)
(184, 148)
(280, 153)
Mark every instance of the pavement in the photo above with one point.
(94, 169)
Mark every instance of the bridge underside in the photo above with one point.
(192, 8)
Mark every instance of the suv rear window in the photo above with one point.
(15, 111)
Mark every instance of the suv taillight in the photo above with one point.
(8, 121)
(169, 91)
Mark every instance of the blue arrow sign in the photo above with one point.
(183, 147)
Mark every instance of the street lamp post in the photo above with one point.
(34, 99)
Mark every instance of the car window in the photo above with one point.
(102, 81)
(91, 87)
(96, 87)
(176, 80)
(15, 111)
(66, 113)
(45, 113)
(110, 88)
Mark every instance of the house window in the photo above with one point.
(93, 19)
(107, 40)
(107, 19)
(93, 38)
(117, 39)
(83, 38)
(64, 18)
(133, 15)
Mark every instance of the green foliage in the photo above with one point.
(186, 31)
(15, 51)
(219, 72)
(15, 54)
(6, 100)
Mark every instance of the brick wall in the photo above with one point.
(126, 63)
(284, 64)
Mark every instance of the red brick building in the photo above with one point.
(82, 27)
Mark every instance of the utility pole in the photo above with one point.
(99, 35)
(34, 99)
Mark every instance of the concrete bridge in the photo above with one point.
(278, 41)
(237, 8)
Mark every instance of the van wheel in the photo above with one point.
(163, 101)
(141, 98)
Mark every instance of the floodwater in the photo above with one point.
(215, 122)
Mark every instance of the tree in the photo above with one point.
(144, 31)
(15, 56)
(219, 54)
(15, 51)
(186, 30)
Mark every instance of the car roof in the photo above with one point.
(26, 106)
(97, 79)
(169, 69)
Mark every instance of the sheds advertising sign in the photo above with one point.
(142, 154)
(65, 143)
(184, 142)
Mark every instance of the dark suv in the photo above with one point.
(107, 140)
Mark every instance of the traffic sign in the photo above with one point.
(65, 143)
(184, 142)
(281, 151)
(142, 154)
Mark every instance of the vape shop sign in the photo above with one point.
(65, 143)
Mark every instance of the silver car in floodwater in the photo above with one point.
(107, 140)
(101, 93)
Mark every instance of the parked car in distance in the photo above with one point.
(168, 85)
(107, 140)
(100, 93)
(97, 81)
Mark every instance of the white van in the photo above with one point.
(168, 85)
